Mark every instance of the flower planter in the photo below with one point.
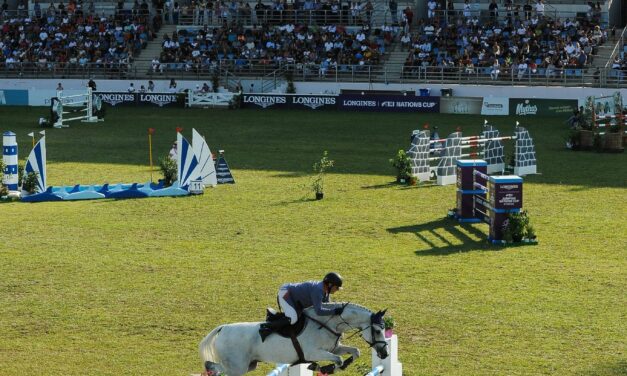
(613, 142)
(389, 333)
(586, 139)
(319, 195)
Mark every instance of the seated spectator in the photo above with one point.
(496, 69)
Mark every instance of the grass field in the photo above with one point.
(130, 287)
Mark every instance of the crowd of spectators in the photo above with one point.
(277, 12)
(331, 47)
(72, 36)
(519, 44)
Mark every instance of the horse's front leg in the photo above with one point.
(320, 355)
(341, 350)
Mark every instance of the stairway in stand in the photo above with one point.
(394, 64)
(153, 49)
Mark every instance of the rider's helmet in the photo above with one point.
(333, 279)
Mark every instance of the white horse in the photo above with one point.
(235, 349)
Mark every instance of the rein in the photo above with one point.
(336, 333)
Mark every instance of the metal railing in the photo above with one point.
(189, 17)
(618, 48)
(273, 75)
(66, 70)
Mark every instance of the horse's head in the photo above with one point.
(374, 334)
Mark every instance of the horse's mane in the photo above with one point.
(340, 304)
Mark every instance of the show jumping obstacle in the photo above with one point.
(86, 103)
(389, 366)
(484, 198)
(286, 370)
(9, 159)
(454, 147)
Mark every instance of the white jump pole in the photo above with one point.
(286, 370)
(88, 117)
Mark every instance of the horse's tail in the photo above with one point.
(206, 346)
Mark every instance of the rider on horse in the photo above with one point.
(294, 298)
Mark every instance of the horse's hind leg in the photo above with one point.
(212, 369)
(236, 367)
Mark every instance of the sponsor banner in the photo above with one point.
(160, 99)
(313, 102)
(460, 105)
(13, 97)
(42, 97)
(142, 99)
(542, 107)
(117, 98)
(495, 106)
(264, 101)
(388, 103)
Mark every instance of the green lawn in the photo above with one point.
(130, 287)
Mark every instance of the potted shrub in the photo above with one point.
(169, 169)
(613, 140)
(402, 163)
(320, 169)
(388, 324)
(517, 227)
(29, 183)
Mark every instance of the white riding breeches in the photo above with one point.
(286, 307)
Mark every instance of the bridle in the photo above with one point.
(358, 330)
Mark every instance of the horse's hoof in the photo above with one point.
(347, 362)
(328, 369)
(313, 367)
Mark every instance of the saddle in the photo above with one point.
(278, 323)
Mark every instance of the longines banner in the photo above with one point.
(542, 107)
(313, 102)
(388, 103)
(141, 99)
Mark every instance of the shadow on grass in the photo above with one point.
(294, 174)
(399, 185)
(613, 369)
(382, 186)
(455, 241)
(302, 200)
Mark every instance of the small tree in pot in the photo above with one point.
(402, 163)
(320, 169)
(29, 183)
(169, 169)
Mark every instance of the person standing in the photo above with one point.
(494, 10)
(393, 11)
(540, 9)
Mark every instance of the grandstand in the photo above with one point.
(512, 42)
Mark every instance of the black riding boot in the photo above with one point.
(268, 328)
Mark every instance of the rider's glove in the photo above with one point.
(339, 310)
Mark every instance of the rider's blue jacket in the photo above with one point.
(307, 294)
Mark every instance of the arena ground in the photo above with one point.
(131, 287)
